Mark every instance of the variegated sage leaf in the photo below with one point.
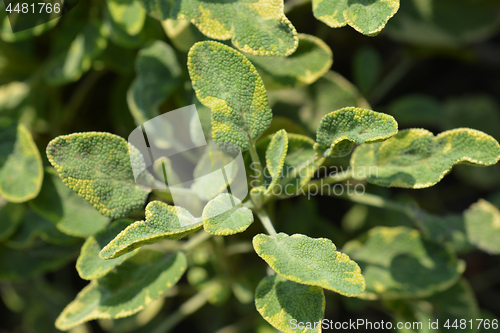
(126, 290)
(158, 73)
(280, 301)
(89, 265)
(98, 166)
(275, 157)
(398, 263)
(415, 158)
(162, 222)
(128, 14)
(367, 17)
(310, 61)
(21, 171)
(339, 130)
(482, 224)
(227, 83)
(311, 261)
(225, 216)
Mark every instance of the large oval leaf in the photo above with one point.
(224, 216)
(285, 303)
(398, 263)
(338, 130)
(227, 83)
(126, 290)
(415, 158)
(311, 261)
(98, 167)
(21, 171)
(162, 222)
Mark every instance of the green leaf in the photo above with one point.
(128, 14)
(76, 58)
(126, 290)
(415, 158)
(416, 109)
(482, 223)
(225, 216)
(275, 157)
(68, 211)
(311, 261)
(98, 166)
(282, 302)
(21, 171)
(254, 26)
(12, 95)
(367, 17)
(227, 83)
(339, 130)
(366, 68)
(158, 74)
(11, 216)
(89, 265)
(181, 33)
(398, 263)
(162, 222)
(7, 35)
(312, 59)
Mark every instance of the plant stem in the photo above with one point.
(198, 239)
(256, 161)
(186, 309)
(266, 222)
(336, 178)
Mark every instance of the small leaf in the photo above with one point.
(128, 14)
(126, 290)
(224, 216)
(310, 61)
(89, 265)
(21, 171)
(227, 83)
(70, 213)
(398, 263)
(282, 302)
(11, 216)
(482, 223)
(311, 261)
(162, 222)
(275, 156)
(415, 158)
(338, 130)
(98, 166)
(367, 17)
(158, 74)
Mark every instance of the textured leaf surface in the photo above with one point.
(310, 61)
(89, 265)
(275, 156)
(98, 166)
(279, 301)
(70, 212)
(482, 223)
(338, 130)
(158, 74)
(126, 290)
(225, 216)
(227, 83)
(21, 172)
(254, 26)
(367, 17)
(311, 261)
(128, 14)
(415, 158)
(162, 222)
(398, 263)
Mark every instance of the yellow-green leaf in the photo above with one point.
(225, 216)
(415, 158)
(128, 14)
(162, 222)
(21, 171)
(482, 224)
(311, 261)
(126, 290)
(285, 304)
(181, 33)
(227, 83)
(398, 263)
(275, 157)
(339, 130)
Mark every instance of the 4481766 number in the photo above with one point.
(480, 323)
(41, 7)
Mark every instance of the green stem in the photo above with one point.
(266, 222)
(256, 161)
(198, 239)
(336, 178)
